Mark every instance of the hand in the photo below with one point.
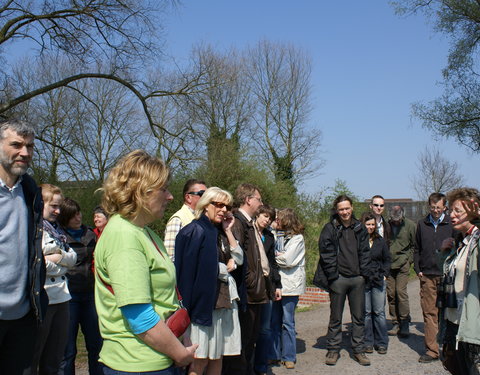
(54, 258)
(472, 210)
(447, 244)
(228, 221)
(231, 266)
(420, 274)
(188, 356)
(278, 294)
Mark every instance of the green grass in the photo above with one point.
(81, 350)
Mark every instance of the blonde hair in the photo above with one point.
(129, 183)
(48, 191)
(213, 194)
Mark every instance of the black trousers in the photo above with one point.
(250, 321)
(17, 343)
(340, 289)
(462, 361)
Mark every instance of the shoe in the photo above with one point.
(332, 358)
(426, 359)
(274, 362)
(394, 330)
(404, 331)
(361, 358)
(382, 350)
(369, 349)
(289, 364)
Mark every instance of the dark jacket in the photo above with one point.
(36, 261)
(253, 282)
(427, 257)
(196, 263)
(387, 232)
(275, 281)
(80, 277)
(328, 244)
(380, 264)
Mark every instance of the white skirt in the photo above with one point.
(223, 337)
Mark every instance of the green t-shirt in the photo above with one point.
(127, 259)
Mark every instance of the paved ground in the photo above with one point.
(402, 356)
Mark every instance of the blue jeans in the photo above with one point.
(172, 370)
(83, 314)
(375, 320)
(263, 346)
(283, 329)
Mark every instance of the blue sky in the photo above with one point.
(369, 65)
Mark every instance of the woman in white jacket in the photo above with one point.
(290, 257)
(59, 257)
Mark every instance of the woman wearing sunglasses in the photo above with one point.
(205, 253)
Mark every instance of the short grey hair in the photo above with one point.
(397, 213)
(20, 127)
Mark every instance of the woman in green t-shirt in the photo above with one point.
(135, 278)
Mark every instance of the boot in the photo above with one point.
(404, 329)
(394, 330)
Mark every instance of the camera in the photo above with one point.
(446, 296)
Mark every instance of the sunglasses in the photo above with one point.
(199, 193)
(378, 205)
(221, 205)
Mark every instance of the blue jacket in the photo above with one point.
(36, 261)
(196, 261)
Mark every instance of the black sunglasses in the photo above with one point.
(199, 193)
(221, 205)
(378, 205)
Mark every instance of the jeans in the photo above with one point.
(340, 289)
(83, 314)
(283, 329)
(263, 347)
(375, 320)
(17, 343)
(172, 370)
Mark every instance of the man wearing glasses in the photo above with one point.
(377, 206)
(192, 191)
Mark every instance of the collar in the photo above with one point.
(436, 222)
(244, 213)
(10, 189)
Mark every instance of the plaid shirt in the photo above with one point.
(171, 231)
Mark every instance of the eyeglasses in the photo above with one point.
(378, 205)
(199, 193)
(257, 198)
(221, 205)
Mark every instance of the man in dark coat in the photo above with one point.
(23, 299)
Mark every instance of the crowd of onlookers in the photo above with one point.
(218, 295)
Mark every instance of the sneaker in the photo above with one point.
(289, 364)
(332, 358)
(394, 330)
(369, 349)
(382, 350)
(361, 358)
(426, 359)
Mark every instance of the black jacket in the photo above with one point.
(380, 264)
(80, 277)
(36, 261)
(426, 256)
(275, 281)
(328, 244)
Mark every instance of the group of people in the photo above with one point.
(238, 271)
(369, 262)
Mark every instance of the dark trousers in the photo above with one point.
(83, 315)
(340, 289)
(250, 321)
(17, 344)
(465, 360)
(52, 340)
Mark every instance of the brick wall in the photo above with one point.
(313, 296)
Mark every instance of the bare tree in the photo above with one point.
(279, 75)
(435, 174)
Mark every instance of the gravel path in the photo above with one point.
(402, 356)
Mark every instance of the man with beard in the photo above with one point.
(23, 299)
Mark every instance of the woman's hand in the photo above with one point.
(188, 356)
(231, 265)
(228, 221)
(54, 258)
(472, 210)
(447, 244)
(278, 294)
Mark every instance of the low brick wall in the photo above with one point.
(313, 296)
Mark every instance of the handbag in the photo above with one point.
(179, 320)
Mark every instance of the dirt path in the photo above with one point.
(402, 356)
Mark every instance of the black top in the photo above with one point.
(348, 265)
(380, 264)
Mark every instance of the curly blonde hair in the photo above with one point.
(129, 183)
